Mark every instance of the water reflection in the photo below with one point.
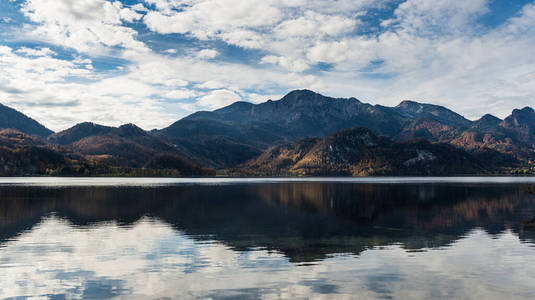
(271, 240)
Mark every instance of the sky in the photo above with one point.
(152, 62)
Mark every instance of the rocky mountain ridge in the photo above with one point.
(300, 114)
(242, 133)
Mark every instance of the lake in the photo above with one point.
(367, 238)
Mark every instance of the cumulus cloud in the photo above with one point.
(36, 52)
(139, 7)
(87, 26)
(207, 53)
(209, 18)
(313, 24)
(181, 94)
(212, 85)
(219, 98)
(277, 26)
(442, 17)
(291, 64)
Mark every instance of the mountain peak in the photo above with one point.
(489, 118)
(410, 107)
(300, 93)
(526, 109)
(486, 122)
(86, 125)
(302, 96)
(524, 117)
(128, 130)
(235, 107)
(409, 103)
(415, 109)
(129, 126)
(78, 132)
(522, 114)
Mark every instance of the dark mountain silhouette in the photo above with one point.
(359, 152)
(243, 132)
(429, 129)
(78, 132)
(126, 150)
(127, 145)
(513, 136)
(521, 123)
(415, 110)
(252, 128)
(249, 129)
(299, 114)
(487, 122)
(23, 154)
(13, 119)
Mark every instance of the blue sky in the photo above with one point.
(154, 61)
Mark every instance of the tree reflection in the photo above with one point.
(305, 221)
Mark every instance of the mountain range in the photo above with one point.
(304, 133)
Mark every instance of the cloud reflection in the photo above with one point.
(149, 258)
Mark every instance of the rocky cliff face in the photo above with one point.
(521, 124)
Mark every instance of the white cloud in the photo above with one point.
(290, 64)
(36, 52)
(208, 18)
(139, 7)
(166, 6)
(86, 26)
(442, 17)
(167, 81)
(129, 15)
(180, 94)
(244, 39)
(164, 24)
(330, 52)
(523, 23)
(246, 24)
(71, 259)
(211, 85)
(259, 98)
(82, 61)
(219, 98)
(313, 24)
(207, 54)
(255, 24)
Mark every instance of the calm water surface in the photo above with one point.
(402, 238)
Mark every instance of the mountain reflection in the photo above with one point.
(303, 221)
